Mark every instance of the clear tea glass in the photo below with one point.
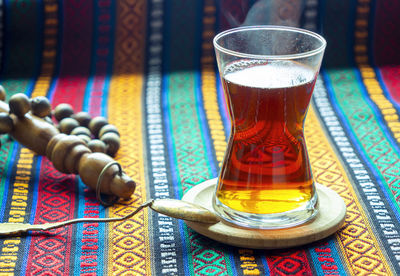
(268, 75)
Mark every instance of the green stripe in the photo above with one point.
(14, 86)
(192, 163)
(365, 126)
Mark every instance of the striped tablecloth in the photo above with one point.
(149, 67)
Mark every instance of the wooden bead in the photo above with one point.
(84, 138)
(96, 124)
(112, 141)
(62, 111)
(19, 105)
(2, 93)
(83, 118)
(72, 158)
(6, 123)
(108, 128)
(53, 141)
(97, 146)
(40, 106)
(66, 125)
(61, 150)
(80, 130)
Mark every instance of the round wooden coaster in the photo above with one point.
(330, 218)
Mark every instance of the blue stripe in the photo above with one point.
(89, 85)
(168, 135)
(185, 242)
(267, 270)
(80, 203)
(233, 267)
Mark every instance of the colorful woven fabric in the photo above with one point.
(149, 67)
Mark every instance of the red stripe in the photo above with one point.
(391, 78)
(293, 262)
(50, 253)
(76, 53)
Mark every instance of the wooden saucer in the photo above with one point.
(330, 218)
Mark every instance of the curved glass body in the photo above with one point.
(268, 75)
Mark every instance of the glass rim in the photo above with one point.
(270, 57)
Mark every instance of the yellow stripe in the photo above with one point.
(369, 78)
(17, 212)
(361, 250)
(368, 75)
(49, 53)
(209, 84)
(129, 240)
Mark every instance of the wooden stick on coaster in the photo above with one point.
(330, 218)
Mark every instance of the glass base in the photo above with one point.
(268, 221)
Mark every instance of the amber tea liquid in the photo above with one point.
(266, 168)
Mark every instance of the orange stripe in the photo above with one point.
(129, 245)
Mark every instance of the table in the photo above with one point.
(148, 66)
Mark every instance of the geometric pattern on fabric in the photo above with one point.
(128, 243)
(149, 66)
(289, 263)
(50, 252)
(206, 260)
(356, 237)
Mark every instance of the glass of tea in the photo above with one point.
(268, 75)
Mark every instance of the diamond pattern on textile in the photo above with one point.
(356, 236)
(128, 237)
